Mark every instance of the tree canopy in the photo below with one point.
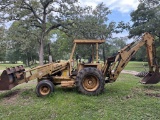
(35, 22)
(146, 19)
(2, 43)
(43, 15)
(92, 25)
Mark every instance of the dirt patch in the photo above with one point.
(130, 72)
(11, 97)
(153, 94)
(11, 94)
(152, 91)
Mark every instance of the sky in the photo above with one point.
(121, 10)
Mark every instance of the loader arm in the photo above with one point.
(114, 65)
(14, 76)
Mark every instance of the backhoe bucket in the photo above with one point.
(151, 78)
(9, 77)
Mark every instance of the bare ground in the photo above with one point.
(130, 72)
(11, 97)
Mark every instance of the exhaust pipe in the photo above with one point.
(10, 77)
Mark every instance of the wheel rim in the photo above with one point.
(44, 90)
(90, 83)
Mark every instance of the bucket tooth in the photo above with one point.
(151, 78)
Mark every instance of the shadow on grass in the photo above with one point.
(68, 90)
(106, 91)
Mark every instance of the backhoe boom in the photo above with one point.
(116, 64)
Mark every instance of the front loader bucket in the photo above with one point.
(151, 78)
(9, 78)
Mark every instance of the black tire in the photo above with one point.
(44, 88)
(90, 81)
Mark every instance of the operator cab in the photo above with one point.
(85, 53)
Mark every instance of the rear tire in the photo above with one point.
(44, 88)
(90, 81)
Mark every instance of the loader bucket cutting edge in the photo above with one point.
(151, 78)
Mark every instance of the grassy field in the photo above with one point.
(137, 66)
(126, 99)
(4, 66)
(133, 65)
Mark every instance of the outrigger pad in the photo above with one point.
(151, 78)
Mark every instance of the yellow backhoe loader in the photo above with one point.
(89, 77)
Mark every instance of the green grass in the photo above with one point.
(4, 66)
(126, 99)
(137, 66)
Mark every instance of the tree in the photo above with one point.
(3, 44)
(22, 43)
(92, 25)
(61, 48)
(145, 19)
(150, 3)
(115, 44)
(42, 15)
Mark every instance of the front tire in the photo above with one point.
(44, 88)
(90, 81)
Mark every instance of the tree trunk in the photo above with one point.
(41, 52)
(42, 39)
